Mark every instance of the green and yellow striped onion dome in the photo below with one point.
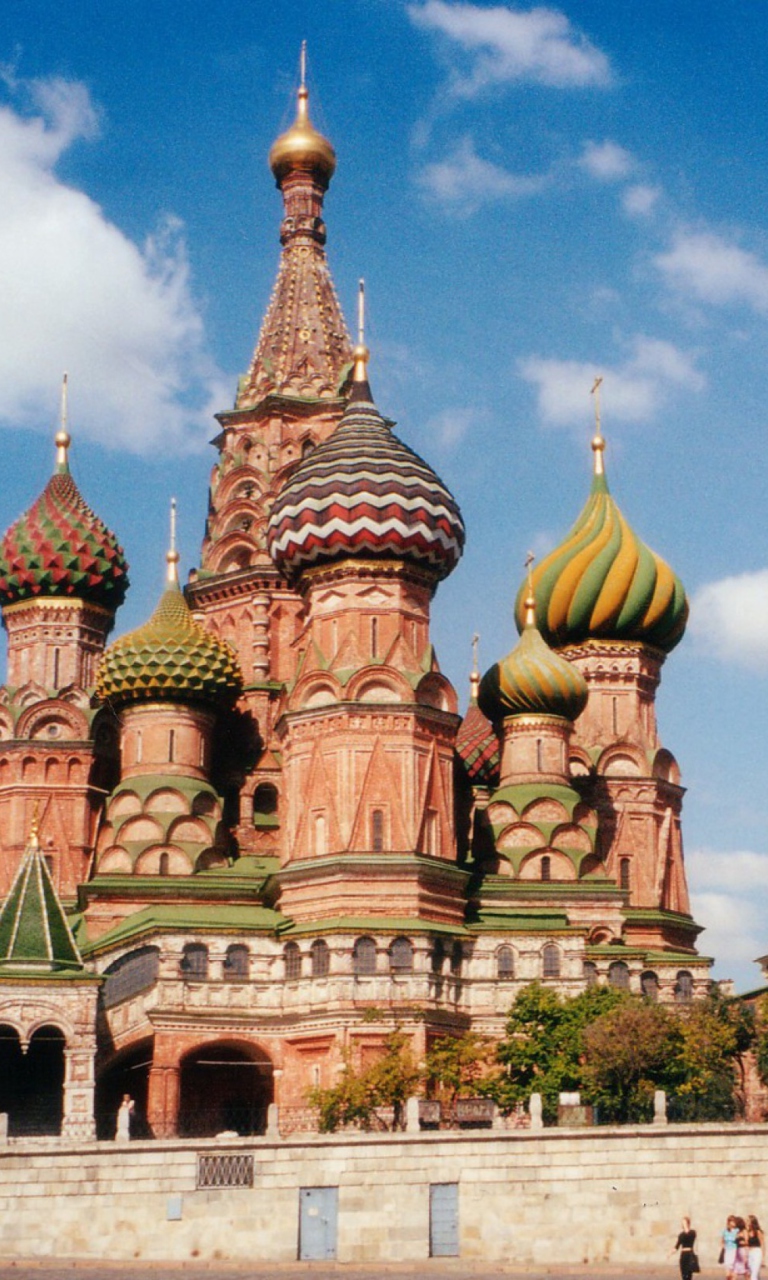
(532, 680)
(170, 658)
(603, 583)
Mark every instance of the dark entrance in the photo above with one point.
(224, 1087)
(32, 1083)
(127, 1073)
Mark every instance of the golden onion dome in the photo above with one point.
(604, 583)
(302, 148)
(532, 679)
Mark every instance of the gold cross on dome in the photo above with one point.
(596, 393)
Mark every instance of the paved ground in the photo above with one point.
(433, 1269)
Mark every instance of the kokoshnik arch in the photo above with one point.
(260, 829)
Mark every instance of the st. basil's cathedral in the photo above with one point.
(243, 842)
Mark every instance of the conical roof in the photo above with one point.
(59, 547)
(604, 583)
(34, 932)
(364, 493)
(171, 657)
(532, 680)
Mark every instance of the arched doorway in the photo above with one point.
(224, 1087)
(126, 1073)
(32, 1083)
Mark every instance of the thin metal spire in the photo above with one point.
(598, 442)
(63, 438)
(172, 556)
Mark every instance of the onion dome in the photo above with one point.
(532, 679)
(170, 658)
(364, 494)
(301, 147)
(603, 583)
(477, 743)
(59, 547)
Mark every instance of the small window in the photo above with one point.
(618, 975)
(546, 868)
(624, 873)
(374, 637)
(164, 866)
(292, 959)
(457, 958)
(265, 799)
(550, 957)
(505, 963)
(377, 830)
(401, 956)
(236, 962)
(684, 987)
(649, 985)
(432, 833)
(437, 957)
(364, 957)
(194, 962)
(590, 973)
(319, 831)
(171, 745)
(320, 958)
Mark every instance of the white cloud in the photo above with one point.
(502, 45)
(633, 390)
(79, 295)
(729, 618)
(450, 426)
(731, 902)
(606, 161)
(639, 200)
(712, 269)
(464, 181)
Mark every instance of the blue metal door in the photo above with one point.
(318, 1220)
(444, 1220)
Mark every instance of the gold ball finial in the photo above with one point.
(301, 147)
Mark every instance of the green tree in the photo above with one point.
(461, 1066)
(358, 1096)
(715, 1036)
(629, 1051)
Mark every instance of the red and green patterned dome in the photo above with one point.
(532, 680)
(364, 494)
(59, 547)
(603, 583)
(170, 658)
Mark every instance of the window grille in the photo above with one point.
(401, 956)
(590, 973)
(505, 963)
(618, 975)
(320, 957)
(236, 962)
(683, 987)
(129, 975)
(235, 1170)
(650, 985)
(292, 958)
(194, 962)
(364, 957)
(546, 868)
(551, 961)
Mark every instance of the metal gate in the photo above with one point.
(444, 1220)
(318, 1221)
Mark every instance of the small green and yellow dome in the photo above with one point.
(170, 658)
(532, 679)
(603, 583)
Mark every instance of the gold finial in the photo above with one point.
(63, 439)
(302, 114)
(34, 828)
(529, 604)
(172, 556)
(301, 147)
(361, 354)
(598, 442)
(474, 676)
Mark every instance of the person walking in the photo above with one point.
(755, 1246)
(685, 1244)
(740, 1269)
(728, 1245)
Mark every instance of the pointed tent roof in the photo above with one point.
(34, 932)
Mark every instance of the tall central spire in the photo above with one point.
(304, 349)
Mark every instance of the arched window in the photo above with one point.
(364, 957)
(457, 958)
(401, 955)
(437, 957)
(684, 987)
(292, 961)
(194, 962)
(236, 962)
(550, 961)
(171, 745)
(618, 975)
(649, 984)
(546, 867)
(624, 869)
(590, 973)
(320, 958)
(505, 963)
(265, 799)
(320, 845)
(374, 636)
(164, 864)
(432, 833)
(377, 830)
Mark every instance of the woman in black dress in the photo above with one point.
(686, 1242)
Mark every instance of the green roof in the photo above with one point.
(34, 933)
(188, 918)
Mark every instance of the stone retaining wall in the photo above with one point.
(587, 1196)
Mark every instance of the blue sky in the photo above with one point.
(534, 196)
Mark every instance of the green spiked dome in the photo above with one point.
(59, 547)
(170, 658)
(34, 933)
(532, 680)
(603, 583)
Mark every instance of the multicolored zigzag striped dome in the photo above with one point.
(363, 493)
(59, 547)
(603, 583)
(170, 658)
(532, 680)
